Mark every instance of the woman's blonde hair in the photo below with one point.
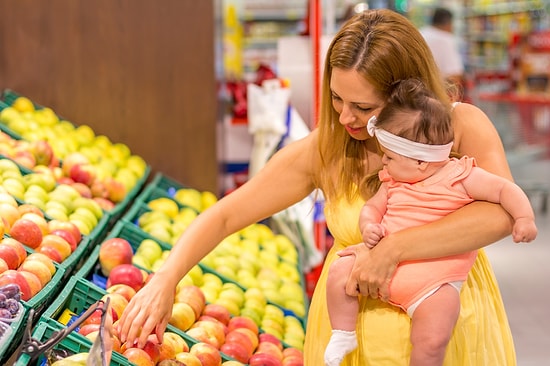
(384, 47)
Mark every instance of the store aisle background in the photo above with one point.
(522, 270)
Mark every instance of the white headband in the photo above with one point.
(408, 148)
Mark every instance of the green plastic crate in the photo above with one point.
(13, 334)
(73, 343)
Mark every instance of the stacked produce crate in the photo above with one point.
(244, 303)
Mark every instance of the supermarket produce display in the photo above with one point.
(83, 222)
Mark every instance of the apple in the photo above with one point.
(41, 270)
(113, 252)
(166, 351)
(9, 212)
(34, 282)
(242, 339)
(42, 152)
(213, 330)
(27, 232)
(264, 359)
(120, 288)
(19, 248)
(237, 351)
(242, 322)
(4, 196)
(3, 266)
(69, 237)
(117, 303)
(218, 312)
(58, 243)
(10, 256)
(188, 359)
(88, 328)
(270, 348)
(293, 357)
(193, 296)
(206, 353)
(51, 253)
(177, 341)
(82, 188)
(152, 347)
(65, 225)
(138, 357)
(104, 203)
(249, 333)
(71, 160)
(183, 316)
(232, 363)
(28, 208)
(127, 274)
(13, 276)
(116, 190)
(98, 189)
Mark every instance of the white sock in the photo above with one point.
(341, 343)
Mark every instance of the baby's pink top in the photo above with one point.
(417, 204)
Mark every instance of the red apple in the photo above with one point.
(292, 352)
(19, 248)
(166, 351)
(28, 208)
(98, 189)
(12, 276)
(50, 252)
(10, 256)
(177, 341)
(206, 353)
(72, 159)
(9, 213)
(249, 333)
(183, 316)
(3, 266)
(193, 296)
(41, 270)
(113, 252)
(138, 357)
(267, 337)
(58, 243)
(83, 189)
(27, 232)
(188, 359)
(42, 151)
(264, 359)
(270, 348)
(217, 311)
(69, 238)
(243, 322)
(293, 361)
(104, 203)
(34, 282)
(83, 173)
(241, 338)
(237, 351)
(127, 274)
(123, 289)
(117, 303)
(66, 225)
(88, 328)
(116, 190)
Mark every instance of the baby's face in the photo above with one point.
(402, 168)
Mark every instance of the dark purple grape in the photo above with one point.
(5, 314)
(13, 306)
(10, 290)
(3, 297)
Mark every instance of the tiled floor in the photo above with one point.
(522, 271)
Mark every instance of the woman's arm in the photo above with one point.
(285, 180)
(459, 232)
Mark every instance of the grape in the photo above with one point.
(3, 297)
(13, 306)
(5, 314)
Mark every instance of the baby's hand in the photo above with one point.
(372, 234)
(524, 230)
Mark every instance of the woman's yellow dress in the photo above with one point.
(481, 337)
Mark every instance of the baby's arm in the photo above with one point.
(371, 217)
(482, 185)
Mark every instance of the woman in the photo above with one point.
(372, 50)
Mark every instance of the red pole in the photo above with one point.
(315, 34)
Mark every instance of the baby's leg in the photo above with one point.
(342, 311)
(432, 325)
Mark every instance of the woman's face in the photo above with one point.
(355, 100)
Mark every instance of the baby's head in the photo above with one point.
(414, 123)
(412, 112)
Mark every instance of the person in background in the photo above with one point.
(369, 53)
(441, 40)
(420, 184)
